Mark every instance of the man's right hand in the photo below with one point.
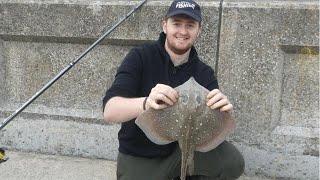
(161, 96)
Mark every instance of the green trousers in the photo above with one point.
(222, 163)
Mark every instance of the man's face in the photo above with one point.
(181, 32)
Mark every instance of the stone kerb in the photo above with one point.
(269, 67)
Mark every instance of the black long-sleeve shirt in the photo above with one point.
(142, 69)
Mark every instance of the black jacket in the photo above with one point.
(143, 68)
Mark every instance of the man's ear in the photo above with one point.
(199, 32)
(164, 26)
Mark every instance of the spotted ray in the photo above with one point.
(190, 122)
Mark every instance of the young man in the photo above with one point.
(146, 79)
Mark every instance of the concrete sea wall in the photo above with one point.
(267, 64)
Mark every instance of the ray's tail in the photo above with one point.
(184, 157)
(187, 153)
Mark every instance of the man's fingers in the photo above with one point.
(215, 99)
(154, 105)
(169, 92)
(164, 98)
(213, 93)
(166, 90)
(220, 103)
(226, 108)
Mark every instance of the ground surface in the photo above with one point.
(34, 166)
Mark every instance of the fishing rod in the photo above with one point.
(66, 69)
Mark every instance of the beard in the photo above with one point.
(172, 46)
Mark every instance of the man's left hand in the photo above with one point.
(217, 100)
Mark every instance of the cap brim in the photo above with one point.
(178, 12)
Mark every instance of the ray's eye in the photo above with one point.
(198, 99)
(184, 99)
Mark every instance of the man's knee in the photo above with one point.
(238, 169)
(234, 166)
(224, 162)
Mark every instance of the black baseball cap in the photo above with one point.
(186, 7)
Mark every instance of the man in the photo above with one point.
(146, 79)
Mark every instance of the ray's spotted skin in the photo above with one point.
(190, 121)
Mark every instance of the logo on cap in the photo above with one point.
(186, 7)
(184, 4)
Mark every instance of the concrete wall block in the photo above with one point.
(31, 65)
(83, 21)
(41, 38)
(300, 106)
(278, 165)
(252, 65)
(249, 69)
(60, 135)
(268, 66)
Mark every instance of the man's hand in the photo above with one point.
(217, 100)
(161, 96)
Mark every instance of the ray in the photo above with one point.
(195, 126)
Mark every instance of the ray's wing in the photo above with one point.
(216, 126)
(162, 126)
